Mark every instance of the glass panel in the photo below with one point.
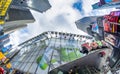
(42, 57)
(56, 61)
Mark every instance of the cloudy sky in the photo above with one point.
(60, 17)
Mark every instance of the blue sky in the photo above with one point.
(61, 17)
(78, 5)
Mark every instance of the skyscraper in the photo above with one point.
(17, 18)
(38, 5)
(103, 4)
(91, 25)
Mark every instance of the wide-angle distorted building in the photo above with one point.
(48, 51)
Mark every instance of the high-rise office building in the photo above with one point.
(103, 4)
(19, 14)
(85, 22)
(38, 5)
(92, 25)
(17, 18)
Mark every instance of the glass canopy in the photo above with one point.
(48, 51)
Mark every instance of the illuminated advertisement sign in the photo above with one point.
(4, 4)
(7, 48)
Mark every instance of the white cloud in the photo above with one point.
(61, 17)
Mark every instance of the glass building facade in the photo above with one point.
(48, 51)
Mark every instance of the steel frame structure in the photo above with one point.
(47, 43)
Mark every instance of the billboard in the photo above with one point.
(7, 48)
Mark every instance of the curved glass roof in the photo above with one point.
(48, 51)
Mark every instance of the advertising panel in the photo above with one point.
(7, 48)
